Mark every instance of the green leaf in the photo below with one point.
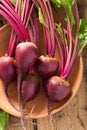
(40, 14)
(13, 2)
(61, 32)
(59, 29)
(64, 3)
(1, 126)
(4, 118)
(82, 35)
(68, 4)
(57, 2)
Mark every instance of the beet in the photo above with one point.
(57, 89)
(7, 69)
(47, 66)
(26, 56)
(29, 89)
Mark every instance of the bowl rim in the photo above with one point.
(4, 26)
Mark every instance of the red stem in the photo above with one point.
(13, 38)
(14, 23)
(52, 27)
(60, 52)
(68, 60)
(14, 17)
(49, 29)
(77, 14)
(34, 26)
(26, 12)
(72, 60)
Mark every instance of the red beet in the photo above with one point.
(47, 66)
(57, 89)
(29, 89)
(7, 69)
(26, 56)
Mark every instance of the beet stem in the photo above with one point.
(13, 38)
(19, 99)
(48, 26)
(49, 113)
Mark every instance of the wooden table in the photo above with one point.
(74, 116)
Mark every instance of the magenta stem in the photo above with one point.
(13, 38)
(29, 14)
(48, 27)
(13, 15)
(24, 16)
(47, 41)
(73, 53)
(74, 56)
(12, 44)
(34, 26)
(9, 3)
(26, 11)
(52, 27)
(77, 14)
(16, 25)
(60, 52)
(69, 37)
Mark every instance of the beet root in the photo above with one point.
(26, 56)
(29, 89)
(47, 66)
(57, 89)
(7, 69)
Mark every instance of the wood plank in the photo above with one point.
(14, 124)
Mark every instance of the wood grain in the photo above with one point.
(74, 116)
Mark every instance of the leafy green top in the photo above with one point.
(4, 117)
(82, 31)
(67, 4)
(13, 2)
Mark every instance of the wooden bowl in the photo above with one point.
(41, 109)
